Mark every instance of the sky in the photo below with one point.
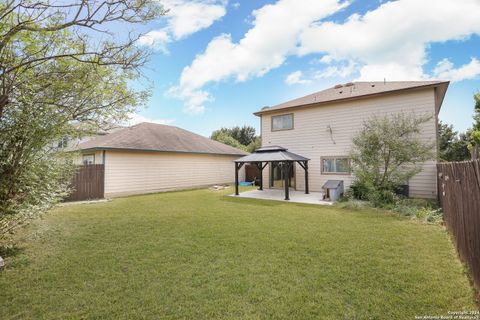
(215, 62)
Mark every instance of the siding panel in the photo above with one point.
(311, 137)
(143, 172)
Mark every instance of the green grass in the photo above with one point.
(202, 255)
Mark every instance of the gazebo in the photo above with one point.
(265, 155)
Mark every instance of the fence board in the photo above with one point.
(459, 196)
(88, 183)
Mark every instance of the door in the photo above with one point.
(277, 179)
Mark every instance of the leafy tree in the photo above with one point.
(245, 135)
(254, 145)
(452, 146)
(474, 133)
(54, 75)
(386, 153)
(227, 139)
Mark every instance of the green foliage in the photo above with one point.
(227, 139)
(473, 134)
(452, 146)
(243, 138)
(254, 145)
(55, 78)
(386, 153)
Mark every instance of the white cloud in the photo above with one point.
(236, 5)
(156, 39)
(183, 19)
(296, 78)
(264, 47)
(391, 40)
(445, 70)
(342, 71)
(135, 118)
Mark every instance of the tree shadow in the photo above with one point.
(10, 250)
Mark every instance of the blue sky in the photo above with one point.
(216, 62)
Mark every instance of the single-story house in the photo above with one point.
(150, 157)
(320, 127)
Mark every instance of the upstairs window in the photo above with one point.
(335, 165)
(282, 122)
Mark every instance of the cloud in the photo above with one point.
(183, 19)
(391, 41)
(445, 70)
(264, 47)
(296, 78)
(341, 71)
(135, 118)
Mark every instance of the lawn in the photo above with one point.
(203, 255)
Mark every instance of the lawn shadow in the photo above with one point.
(7, 251)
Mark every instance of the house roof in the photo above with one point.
(357, 90)
(272, 153)
(147, 136)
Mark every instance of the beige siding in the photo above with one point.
(143, 172)
(311, 138)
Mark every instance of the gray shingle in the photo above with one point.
(157, 137)
(353, 90)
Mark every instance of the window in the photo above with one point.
(282, 122)
(88, 159)
(335, 165)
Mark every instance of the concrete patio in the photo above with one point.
(278, 195)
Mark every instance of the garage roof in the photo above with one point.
(147, 136)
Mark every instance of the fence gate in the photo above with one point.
(88, 183)
(459, 196)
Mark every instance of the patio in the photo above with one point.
(277, 195)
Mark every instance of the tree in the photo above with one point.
(452, 146)
(239, 137)
(54, 75)
(245, 135)
(387, 152)
(473, 134)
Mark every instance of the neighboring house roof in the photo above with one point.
(157, 137)
(358, 90)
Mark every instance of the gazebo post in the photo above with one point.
(236, 178)
(306, 177)
(261, 175)
(286, 174)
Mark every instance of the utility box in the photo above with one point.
(333, 189)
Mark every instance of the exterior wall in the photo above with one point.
(310, 137)
(98, 156)
(129, 173)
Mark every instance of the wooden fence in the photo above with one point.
(459, 196)
(88, 183)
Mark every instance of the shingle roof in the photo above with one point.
(157, 137)
(272, 153)
(353, 90)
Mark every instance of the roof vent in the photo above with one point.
(340, 91)
(338, 86)
(266, 107)
(373, 85)
(349, 84)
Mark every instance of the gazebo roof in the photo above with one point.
(271, 153)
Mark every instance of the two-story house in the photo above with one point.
(321, 126)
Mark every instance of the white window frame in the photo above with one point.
(334, 158)
(88, 155)
(282, 115)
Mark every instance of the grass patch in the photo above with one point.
(201, 255)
